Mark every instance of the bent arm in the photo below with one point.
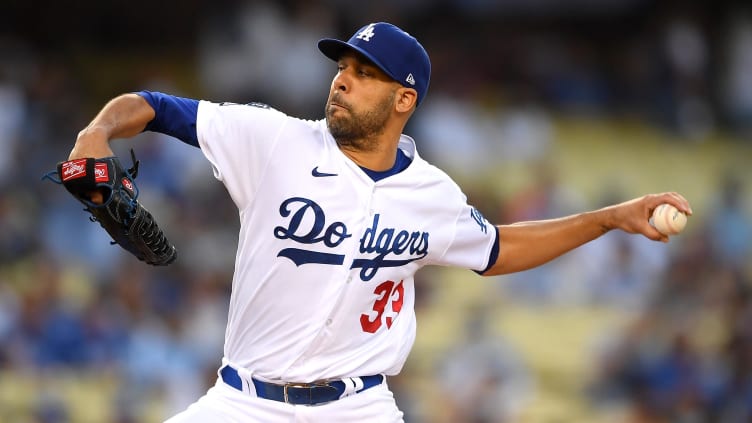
(526, 245)
(124, 116)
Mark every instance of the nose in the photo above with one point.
(340, 82)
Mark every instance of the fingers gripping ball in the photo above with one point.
(668, 220)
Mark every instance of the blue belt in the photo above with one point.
(298, 393)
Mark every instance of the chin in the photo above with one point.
(335, 119)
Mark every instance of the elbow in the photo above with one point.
(498, 268)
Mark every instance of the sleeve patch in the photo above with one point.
(479, 219)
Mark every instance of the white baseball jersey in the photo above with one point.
(323, 282)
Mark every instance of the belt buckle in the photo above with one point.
(292, 385)
(308, 386)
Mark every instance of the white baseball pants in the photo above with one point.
(225, 404)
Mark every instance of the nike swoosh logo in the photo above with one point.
(315, 172)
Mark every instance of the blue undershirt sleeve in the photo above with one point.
(174, 116)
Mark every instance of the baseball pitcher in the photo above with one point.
(336, 216)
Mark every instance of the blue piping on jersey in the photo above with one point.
(493, 256)
(400, 164)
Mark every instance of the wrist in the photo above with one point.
(606, 218)
(92, 141)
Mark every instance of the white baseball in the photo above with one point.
(668, 220)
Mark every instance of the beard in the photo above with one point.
(358, 130)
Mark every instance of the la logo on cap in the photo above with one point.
(366, 33)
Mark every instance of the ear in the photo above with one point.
(406, 99)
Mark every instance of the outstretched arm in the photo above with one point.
(124, 116)
(526, 245)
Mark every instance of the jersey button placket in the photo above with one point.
(370, 202)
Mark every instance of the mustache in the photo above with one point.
(337, 99)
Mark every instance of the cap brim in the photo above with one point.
(333, 49)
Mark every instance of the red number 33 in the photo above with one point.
(386, 291)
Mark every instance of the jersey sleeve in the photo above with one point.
(174, 116)
(239, 141)
(475, 244)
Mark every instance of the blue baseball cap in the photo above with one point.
(393, 50)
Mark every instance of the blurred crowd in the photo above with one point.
(504, 72)
(687, 355)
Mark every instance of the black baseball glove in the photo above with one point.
(129, 224)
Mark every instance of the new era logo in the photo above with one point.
(410, 79)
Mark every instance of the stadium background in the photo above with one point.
(538, 108)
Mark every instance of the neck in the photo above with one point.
(380, 158)
(377, 152)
